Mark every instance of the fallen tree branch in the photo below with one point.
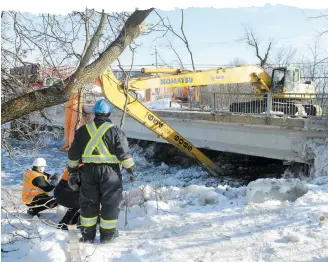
(58, 94)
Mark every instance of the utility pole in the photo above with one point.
(156, 64)
(155, 56)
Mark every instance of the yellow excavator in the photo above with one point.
(284, 81)
(285, 86)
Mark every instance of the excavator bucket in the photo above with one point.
(113, 90)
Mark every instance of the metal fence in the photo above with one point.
(291, 105)
(268, 105)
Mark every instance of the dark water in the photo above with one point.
(21, 154)
(236, 169)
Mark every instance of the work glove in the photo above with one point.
(131, 169)
(132, 179)
(54, 179)
(74, 181)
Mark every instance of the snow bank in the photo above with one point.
(262, 190)
(194, 223)
(165, 103)
(316, 149)
(174, 214)
(207, 223)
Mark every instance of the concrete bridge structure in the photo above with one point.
(275, 138)
(270, 137)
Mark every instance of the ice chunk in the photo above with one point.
(208, 198)
(262, 190)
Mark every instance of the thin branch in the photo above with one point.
(177, 55)
(186, 41)
(88, 53)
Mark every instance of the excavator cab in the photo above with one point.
(285, 80)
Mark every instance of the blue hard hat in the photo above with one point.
(103, 106)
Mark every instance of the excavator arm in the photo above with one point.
(113, 90)
(179, 78)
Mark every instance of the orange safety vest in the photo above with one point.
(29, 191)
(65, 174)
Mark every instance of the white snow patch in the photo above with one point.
(262, 190)
(164, 103)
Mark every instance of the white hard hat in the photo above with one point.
(40, 162)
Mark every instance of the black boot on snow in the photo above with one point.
(107, 238)
(85, 240)
(32, 213)
(62, 227)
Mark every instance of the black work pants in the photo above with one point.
(100, 184)
(41, 203)
(66, 197)
(71, 217)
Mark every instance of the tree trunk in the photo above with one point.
(51, 96)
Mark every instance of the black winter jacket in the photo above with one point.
(42, 183)
(114, 139)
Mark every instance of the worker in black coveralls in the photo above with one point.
(68, 198)
(103, 148)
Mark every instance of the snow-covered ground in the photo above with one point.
(173, 216)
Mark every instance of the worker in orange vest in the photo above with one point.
(36, 188)
(69, 198)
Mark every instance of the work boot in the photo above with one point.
(62, 227)
(107, 238)
(32, 213)
(85, 240)
(78, 223)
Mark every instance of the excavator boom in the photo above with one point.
(113, 90)
(230, 75)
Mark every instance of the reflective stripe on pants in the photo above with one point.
(88, 221)
(108, 224)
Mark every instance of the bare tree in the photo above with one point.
(285, 55)
(252, 40)
(238, 62)
(166, 24)
(49, 35)
(182, 36)
(315, 69)
(321, 16)
(176, 54)
(314, 58)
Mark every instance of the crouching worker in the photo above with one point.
(103, 148)
(36, 188)
(67, 197)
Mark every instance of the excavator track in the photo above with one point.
(114, 92)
